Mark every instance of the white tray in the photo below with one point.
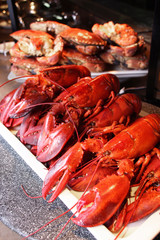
(124, 73)
(145, 229)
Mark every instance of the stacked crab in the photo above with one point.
(124, 45)
(35, 50)
(51, 43)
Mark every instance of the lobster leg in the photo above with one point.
(148, 203)
(8, 103)
(62, 170)
(147, 197)
(144, 161)
(116, 222)
(102, 201)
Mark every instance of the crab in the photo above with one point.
(72, 56)
(84, 41)
(51, 27)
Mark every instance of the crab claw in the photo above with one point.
(102, 201)
(62, 169)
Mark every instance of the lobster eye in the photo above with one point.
(106, 153)
(150, 174)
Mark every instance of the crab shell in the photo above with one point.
(26, 65)
(138, 61)
(30, 34)
(121, 34)
(33, 43)
(85, 42)
(72, 56)
(49, 26)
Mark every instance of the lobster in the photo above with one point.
(120, 112)
(147, 198)
(144, 196)
(101, 202)
(39, 88)
(124, 109)
(70, 107)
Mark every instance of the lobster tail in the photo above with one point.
(133, 101)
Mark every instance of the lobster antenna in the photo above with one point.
(14, 79)
(57, 84)
(65, 226)
(135, 205)
(28, 194)
(84, 166)
(78, 201)
(78, 139)
(91, 177)
(46, 224)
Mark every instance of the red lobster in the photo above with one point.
(71, 106)
(100, 203)
(123, 109)
(37, 89)
(147, 198)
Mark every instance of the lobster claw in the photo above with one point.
(102, 201)
(79, 181)
(30, 128)
(7, 103)
(63, 168)
(52, 139)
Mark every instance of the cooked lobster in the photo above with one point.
(69, 108)
(147, 198)
(123, 148)
(111, 119)
(37, 89)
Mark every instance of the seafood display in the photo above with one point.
(92, 139)
(74, 156)
(50, 43)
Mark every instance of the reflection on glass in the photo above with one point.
(31, 11)
(4, 14)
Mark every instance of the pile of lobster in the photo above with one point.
(51, 43)
(92, 140)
